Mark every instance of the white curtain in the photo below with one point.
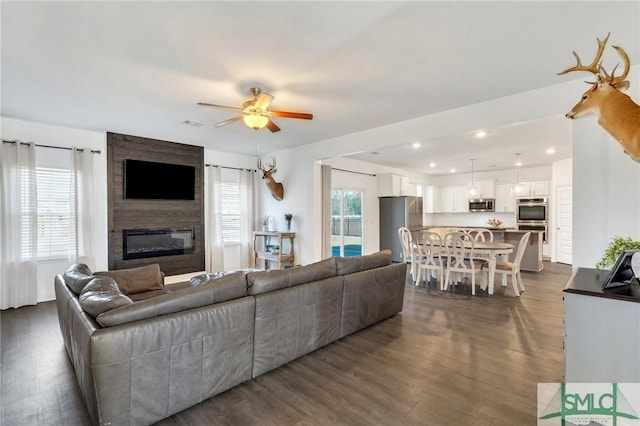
(214, 249)
(325, 182)
(247, 218)
(81, 192)
(18, 225)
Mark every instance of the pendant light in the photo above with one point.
(473, 191)
(518, 188)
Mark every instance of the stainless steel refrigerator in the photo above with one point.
(396, 212)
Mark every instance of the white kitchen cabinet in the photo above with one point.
(505, 198)
(428, 199)
(486, 189)
(451, 199)
(392, 185)
(446, 200)
(538, 188)
(460, 199)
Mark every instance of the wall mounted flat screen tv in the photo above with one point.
(147, 180)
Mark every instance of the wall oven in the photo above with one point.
(532, 210)
(532, 215)
(535, 227)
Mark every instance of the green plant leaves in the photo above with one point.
(615, 249)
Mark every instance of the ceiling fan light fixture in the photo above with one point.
(255, 121)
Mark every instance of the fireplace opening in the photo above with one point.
(141, 243)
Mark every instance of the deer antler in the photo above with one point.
(593, 68)
(272, 165)
(617, 80)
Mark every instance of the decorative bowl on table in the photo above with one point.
(495, 223)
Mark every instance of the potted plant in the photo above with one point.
(614, 250)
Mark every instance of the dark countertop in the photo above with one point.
(588, 282)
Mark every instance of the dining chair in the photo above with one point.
(406, 242)
(429, 257)
(513, 268)
(481, 234)
(462, 259)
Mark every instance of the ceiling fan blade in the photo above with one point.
(229, 121)
(272, 126)
(220, 106)
(286, 114)
(263, 101)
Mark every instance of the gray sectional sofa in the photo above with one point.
(140, 361)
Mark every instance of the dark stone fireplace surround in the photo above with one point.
(173, 229)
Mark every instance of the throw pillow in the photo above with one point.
(77, 276)
(137, 280)
(101, 295)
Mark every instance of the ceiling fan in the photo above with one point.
(256, 113)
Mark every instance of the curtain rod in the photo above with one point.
(351, 171)
(228, 167)
(93, 151)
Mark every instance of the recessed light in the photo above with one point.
(432, 164)
(192, 123)
(480, 134)
(416, 145)
(550, 151)
(452, 170)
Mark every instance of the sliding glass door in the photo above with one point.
(346, 222)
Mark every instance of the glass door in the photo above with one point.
(346, 222)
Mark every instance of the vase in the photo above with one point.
(288, 225)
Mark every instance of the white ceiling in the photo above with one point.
(141, 67)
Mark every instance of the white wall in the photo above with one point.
(606, 198)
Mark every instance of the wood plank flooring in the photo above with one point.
(447, 359)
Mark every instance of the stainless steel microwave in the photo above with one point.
(478, 205)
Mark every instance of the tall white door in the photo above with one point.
(564, 224)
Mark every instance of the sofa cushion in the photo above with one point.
(100, 295)
(222, 289)
(77, 276)
(349, 265)
(137, 280)
(265, 281)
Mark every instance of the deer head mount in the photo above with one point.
(616, 112)
(276, 188)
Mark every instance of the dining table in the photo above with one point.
(492, 249)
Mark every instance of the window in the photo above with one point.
(230, 212)
(55, 228)
(346, 228)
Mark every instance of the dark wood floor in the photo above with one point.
(447, 359)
